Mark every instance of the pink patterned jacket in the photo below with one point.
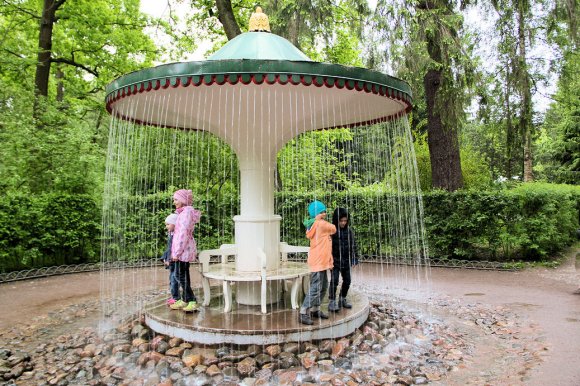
(184, 247)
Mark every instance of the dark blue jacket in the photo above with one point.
(166, 256)
(344, 248)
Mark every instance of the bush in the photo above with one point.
(527, 222)
(46, 230)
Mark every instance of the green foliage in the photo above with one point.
(48, 229)
(559, 142)
(528, 222)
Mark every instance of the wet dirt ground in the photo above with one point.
(537, 343)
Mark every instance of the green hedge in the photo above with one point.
(528, 222)
(46, 230)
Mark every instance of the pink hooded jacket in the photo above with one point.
(184, 247)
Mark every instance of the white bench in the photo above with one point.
(226, 272)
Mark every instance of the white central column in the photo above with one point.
(257, 227)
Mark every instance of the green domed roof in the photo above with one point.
(259, 45)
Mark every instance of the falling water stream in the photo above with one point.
(368, 169)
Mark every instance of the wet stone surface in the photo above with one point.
(393, 347)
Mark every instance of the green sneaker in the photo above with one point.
(178, 305)
(191, 306)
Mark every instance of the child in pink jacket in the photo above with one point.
(184, 248)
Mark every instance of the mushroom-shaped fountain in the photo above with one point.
(257, 93)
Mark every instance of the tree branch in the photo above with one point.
(75, 64)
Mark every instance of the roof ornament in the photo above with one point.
(259, 21)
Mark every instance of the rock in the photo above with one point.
(149, 356)
(263, 374)
(274, 350)
(247, 367)
(235, 356)
(122, 348)
(254, 350)
(308, 346)
(288, 360)
(157, 340)
(213, 370)
(308, 359)
(248, 382)
(138, 341)
(343, 363)
(200, 369)
(286, 377)
(262, 359)
(192, 360)
(175, 351)
(140, 331)
(327, 346)
(292, 347)
(339, 348)
(211, 361)
(175, 342)
(161, 347)
(16, 371)
(222, 351)
(231, 374)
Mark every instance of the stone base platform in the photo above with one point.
(247, 325)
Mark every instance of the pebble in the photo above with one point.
(392, 347)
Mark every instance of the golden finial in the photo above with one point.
(259, 21)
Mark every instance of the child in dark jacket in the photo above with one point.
(344, 254)
(166, 258)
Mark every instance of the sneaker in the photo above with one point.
(344, 303)
(333, 306)
(305, 319)
(191, 306)
(319, 314)
(170, 301)
(178, 305)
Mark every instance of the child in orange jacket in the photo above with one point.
(318, 230)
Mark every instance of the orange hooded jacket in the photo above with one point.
(320, 255)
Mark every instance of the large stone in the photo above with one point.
(174, 342)
(156, 340)
(292, 347)
(262, 359)
(192, 360)
(274, 350)
(213, 370)
(231, 374)
(327, 345)
(288, 360)
(175, 352)
(254, 350)
(247, 367)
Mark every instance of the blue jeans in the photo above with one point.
(184, 281)
(318, 288)
(173, 282)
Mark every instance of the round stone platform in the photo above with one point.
(247, 325)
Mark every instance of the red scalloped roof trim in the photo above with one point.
(360, 86)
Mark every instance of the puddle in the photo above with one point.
(474, 294)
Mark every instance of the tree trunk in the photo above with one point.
(443, 141)
(227, 18)
(510, 132)
(526, 96)
(41, 79)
